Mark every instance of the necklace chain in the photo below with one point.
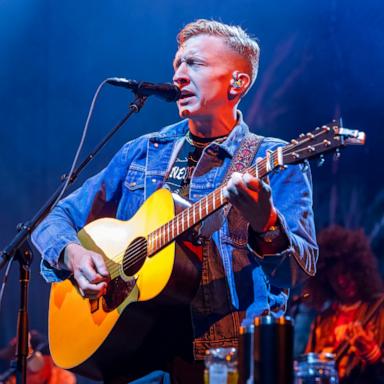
(198, 144)
(193, 142)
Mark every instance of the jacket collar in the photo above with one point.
(179, 129)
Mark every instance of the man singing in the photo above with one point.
(250, 254)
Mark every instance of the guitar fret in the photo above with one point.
(149, 245)
(173, 228)
(200, 215)
(257, 169)
(194, 214)
(169, 237)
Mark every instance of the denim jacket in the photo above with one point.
(253, 284)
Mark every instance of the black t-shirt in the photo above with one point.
(181, 172)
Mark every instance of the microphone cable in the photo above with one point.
(81, 144)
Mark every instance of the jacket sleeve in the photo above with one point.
(292, 197)
(97, 197)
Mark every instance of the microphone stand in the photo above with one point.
(20, 250)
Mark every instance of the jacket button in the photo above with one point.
(156, 145)
(153, 180)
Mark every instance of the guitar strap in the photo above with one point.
(244, 155)
(243, 158)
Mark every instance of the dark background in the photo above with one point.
(319, 60)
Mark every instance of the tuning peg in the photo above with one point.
(321, 161)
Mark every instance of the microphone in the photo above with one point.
(165, 91)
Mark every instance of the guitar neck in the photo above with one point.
(322, 140)
(209, 204)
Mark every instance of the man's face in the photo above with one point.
(204, 67)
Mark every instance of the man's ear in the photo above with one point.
(240, 82)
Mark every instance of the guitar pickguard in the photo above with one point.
(117, 291)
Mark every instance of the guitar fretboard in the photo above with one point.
(205, 207)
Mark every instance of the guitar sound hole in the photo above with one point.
(135, 256)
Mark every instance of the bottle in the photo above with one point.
(221, 366)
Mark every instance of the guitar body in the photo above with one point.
(90, 336)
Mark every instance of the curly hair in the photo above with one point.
(351, 250)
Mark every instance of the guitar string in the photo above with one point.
(137, 250)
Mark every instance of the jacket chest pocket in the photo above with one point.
(133, 193)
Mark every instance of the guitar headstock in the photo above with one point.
(323, 139)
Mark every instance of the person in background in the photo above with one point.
(348, 294)
(40, 367)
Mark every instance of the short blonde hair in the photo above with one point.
(235, 37)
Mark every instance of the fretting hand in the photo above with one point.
(252, 197)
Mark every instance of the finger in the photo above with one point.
(234, 184)
(235, 180)
(257, 185)
(251, 182)
(88, 270)
(100, 266)
(89, 289)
